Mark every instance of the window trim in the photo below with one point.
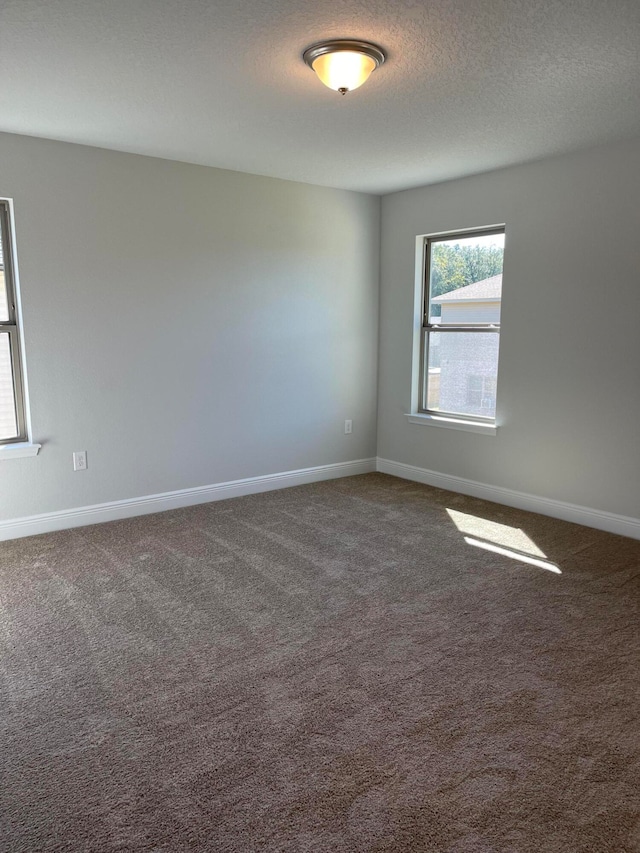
(12, 328)
(437, 416)
(452, 423)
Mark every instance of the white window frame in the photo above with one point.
(19, 444)
(420, 413)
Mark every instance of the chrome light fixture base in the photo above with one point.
(366, 47)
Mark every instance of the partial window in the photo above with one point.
(12, 410)
(462, 295)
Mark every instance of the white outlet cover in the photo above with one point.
(80, 460)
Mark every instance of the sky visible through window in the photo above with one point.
(461, 261)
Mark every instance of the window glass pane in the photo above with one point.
(4, 309)
(8, 424)
(462, 370)
(465, 279)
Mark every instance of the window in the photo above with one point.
(13, 426)
(462, 292)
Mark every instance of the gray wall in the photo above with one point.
(569, 372)
(189, 326)
(185, 325)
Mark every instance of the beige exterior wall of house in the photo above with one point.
(470, 312)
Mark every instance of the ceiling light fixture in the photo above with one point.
(344, 64)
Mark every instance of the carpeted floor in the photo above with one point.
(339, 667)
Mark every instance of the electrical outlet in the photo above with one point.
(348, 427)
(80, 460)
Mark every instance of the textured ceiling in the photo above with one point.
(469, 85)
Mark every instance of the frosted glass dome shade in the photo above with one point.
(344, 70)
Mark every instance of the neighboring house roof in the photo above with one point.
(487, 289)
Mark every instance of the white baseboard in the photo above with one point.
(63, 519)
(621, 524)
(81, 516)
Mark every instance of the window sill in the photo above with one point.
(452, 423)
(19, 450)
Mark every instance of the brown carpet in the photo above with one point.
(337, 667)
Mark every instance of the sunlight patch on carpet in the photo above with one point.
(491, 531)
(514, 555)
